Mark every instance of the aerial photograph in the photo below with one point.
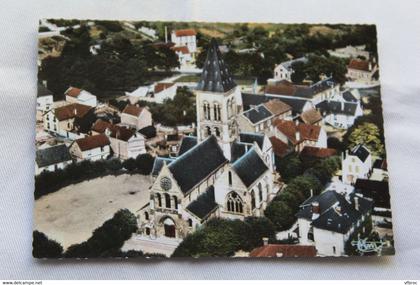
(201, 139)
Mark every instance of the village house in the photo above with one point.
(355, 164)
(186, 37)
(350, 52)
(142, 93)
(284, 70)
(136, 117)
(316, 92)
(52, 158)
(91, 147)
(339, 114)
(125, 143)
(76, 95)
(185, 57)
(163, 91)
(330, 220)
(362, 70)
(44, 101)
(279, 109)
(61, 120)
(299, 135)
(379, 170)
(257, 119)
(311, 117)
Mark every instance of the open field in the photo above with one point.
(71, 214)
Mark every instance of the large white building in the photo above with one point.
(330, 220)
(284, 70)
(186, 37)
(356, 164)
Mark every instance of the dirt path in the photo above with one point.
(71, 214)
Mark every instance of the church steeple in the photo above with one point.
(215, 76)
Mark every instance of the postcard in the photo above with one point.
(195, 139)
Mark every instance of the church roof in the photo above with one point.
(158, 164)
(187, 143)
(215, 76)
(251, 138)
(197, 164)
(204, 204)
(249, 167)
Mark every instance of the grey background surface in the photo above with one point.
(399, 49)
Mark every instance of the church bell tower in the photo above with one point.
(218, 101)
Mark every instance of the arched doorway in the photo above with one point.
(169, 227)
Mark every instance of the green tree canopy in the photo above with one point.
(369, 135)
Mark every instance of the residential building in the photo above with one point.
(76, 95)
(284, 70)
(92, 147)
(125, 143)
(61, 120)
(362, 71)
(185, 57)
(350, 52)
(44, 99)
(136, 117)
(52, 158)
(185, 37)
(257, 119)
(339, 114)
(330, 220)
(311, 117)
(356, 164)
(299, 135)
(163, 91)
(279, 109)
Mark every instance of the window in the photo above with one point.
(175, 202)
(234, 203)
(148, 231)
(167, 200)
(146, 216)
(216, 110)
(217, 131)
(206, 109)
(252, 200)
(334, 250)
(190, 223)
(260, 193)
(230, 178)
(208, 131)
(159, 199)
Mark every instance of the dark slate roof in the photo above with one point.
(251, 138)
(330, 218)
(187, 143)
(43, 91)
(52, 155)
(238, 149)
(251, 100)
(196, 164)
(158, 164)
(322, 85)
(336, 107)
(377, 190)
(257, 114)
(360, 151)
(148, 132)
(349, 97)
(204, 204)
(249, 167)
(215, 76)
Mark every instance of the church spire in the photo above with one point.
(215, 76)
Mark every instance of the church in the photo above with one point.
(222, 172)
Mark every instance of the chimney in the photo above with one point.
(166, 34)
(356, 203)
(315, 210)
(297, 135)
(370, 66)
(75, 111)
(265, 241)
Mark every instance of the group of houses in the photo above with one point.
(225, 165)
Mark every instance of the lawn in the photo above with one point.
(71, 214)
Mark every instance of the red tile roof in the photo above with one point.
(359, 64)
(183, 49)
(185, 32)
(71, 111)
(118, 132)
(162, 86)
(311, 116)
(277, 107)
(289, 129)
(73, 92)
(92, 142)
(132, 110)
(318, 152)
(284, 250)
(279, 148)
(281, 88)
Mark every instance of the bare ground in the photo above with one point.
(71, 214)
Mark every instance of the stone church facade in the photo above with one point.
(220, 173)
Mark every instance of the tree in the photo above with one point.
(144, 163)
(369, 135)
(298, 74)
(43, 247)
(108, 238)
(129, 164)
(289, 167)
(280, 214)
